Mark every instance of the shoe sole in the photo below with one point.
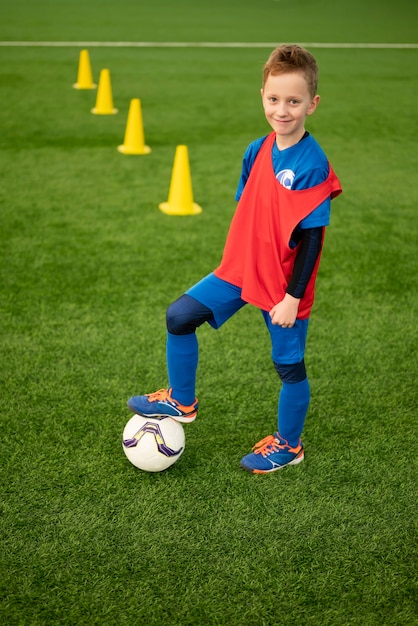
(179, 418)
(298, 459)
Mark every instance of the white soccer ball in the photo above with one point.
(153, 444)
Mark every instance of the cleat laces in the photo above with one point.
(161, 394)
(267, 446)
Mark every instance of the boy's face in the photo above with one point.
(287, 102)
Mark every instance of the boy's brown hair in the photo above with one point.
(293, 58)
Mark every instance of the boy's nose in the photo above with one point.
(282, 109)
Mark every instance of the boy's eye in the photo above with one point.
(275, 100)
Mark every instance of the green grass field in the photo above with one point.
(88, 267)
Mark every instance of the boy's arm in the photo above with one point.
(307, 256)
(285, 312)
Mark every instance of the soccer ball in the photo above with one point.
(153, 444)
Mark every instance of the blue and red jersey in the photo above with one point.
(279, 192)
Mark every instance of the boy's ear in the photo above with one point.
(314, 104)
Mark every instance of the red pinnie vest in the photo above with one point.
(257, 256)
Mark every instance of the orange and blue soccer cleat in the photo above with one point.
(271, 454)
(162, 404)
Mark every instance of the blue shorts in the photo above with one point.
(224, 299)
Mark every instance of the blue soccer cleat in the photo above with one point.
(162, 404)
(271, 454)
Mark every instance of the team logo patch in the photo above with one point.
(286, 178)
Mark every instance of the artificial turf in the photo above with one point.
(88, 267)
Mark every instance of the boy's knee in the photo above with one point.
(185, 315)
(177, 319)
(292, 373)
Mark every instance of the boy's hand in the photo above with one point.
(284, 313)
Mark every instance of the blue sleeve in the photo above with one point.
(321, 215)
(247, 163)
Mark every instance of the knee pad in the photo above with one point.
(292, 373)
(185, 315)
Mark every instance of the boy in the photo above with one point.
(270, 260)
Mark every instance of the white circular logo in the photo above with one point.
(286, 178)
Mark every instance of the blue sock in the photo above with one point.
(182, 358)
(293, 406)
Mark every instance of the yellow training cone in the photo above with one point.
(84, 76)
(104, 100)
(134, 133)
(180, 197)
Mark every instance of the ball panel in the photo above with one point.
(153, 444)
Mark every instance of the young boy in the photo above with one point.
(270, 260)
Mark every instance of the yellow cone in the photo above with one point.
(84, 76)
(104, 100)
(180, 197)
(133, 142)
